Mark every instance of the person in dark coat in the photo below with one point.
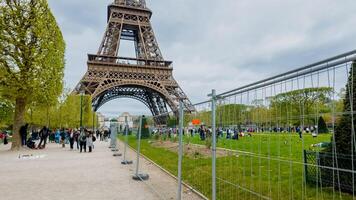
(23, 134)
(63, 137)
(76, 137)
(202, 133)
(5, 138)
(43, 134)
(83, 141)
(71, 139)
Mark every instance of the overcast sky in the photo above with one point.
(219, 44)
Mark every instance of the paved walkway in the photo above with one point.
(56, 173)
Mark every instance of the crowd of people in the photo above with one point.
(236, 133)
(77, 139)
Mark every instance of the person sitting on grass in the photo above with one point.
(321, 145)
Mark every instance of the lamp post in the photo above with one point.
(93, 121)
(81, 108)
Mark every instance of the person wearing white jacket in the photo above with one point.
(90, 143)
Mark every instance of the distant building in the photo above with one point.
(121, 120)
(101, 120)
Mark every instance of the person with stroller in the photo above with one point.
(30, 143)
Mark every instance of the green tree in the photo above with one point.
(230, 114)
(307, 102)
(31, 57)
(6, 113)
(172, 122)
(322, 128)
(64, 114)
(344, 135)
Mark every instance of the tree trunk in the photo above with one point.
(18, 122)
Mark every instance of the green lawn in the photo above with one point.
(269, 166)
(276, 145)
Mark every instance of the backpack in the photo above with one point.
(82, 137)
(94, 138)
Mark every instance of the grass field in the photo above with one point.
(265, 166)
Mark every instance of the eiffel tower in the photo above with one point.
(147, 77)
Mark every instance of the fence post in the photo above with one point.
(126, 162)
(180, 154)
(213, 127)
(94, 123)
(113, 137)
(137, 176)
(114, 145)
(306, 166)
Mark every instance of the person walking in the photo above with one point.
(63, 137)
(71, 139)
(57, 136)
(5, 138)
(23, 134)
(202, 133)
(100, 135)
(106, 135)
(43, 134)
(97, 133)
(82, 141)
(89, 141)
(51, 137)
(76, 137)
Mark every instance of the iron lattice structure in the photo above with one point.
(147, 78)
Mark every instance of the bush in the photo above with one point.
(145, 132)
(343, 137)
(164, 137)
(172, 122)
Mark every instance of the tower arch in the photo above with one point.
(146, 77)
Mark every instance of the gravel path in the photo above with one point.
(56, 173)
